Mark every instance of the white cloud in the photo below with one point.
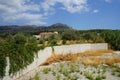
(108, 1)
(71, 6)
(28, 12)
(23, 16)
(95, 11)
(20, 10)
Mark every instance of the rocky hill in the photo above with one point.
(16, 28)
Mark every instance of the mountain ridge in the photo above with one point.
(17, 28)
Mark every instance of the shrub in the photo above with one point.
(58, 77)
(46, 70)
(89, 76)
(20, 38)
(64, 42)
(98, 77)
(2, 65)
(54, 73)
(41, 41)
(37, 77)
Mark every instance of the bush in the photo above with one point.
(2, 66)
(70, 35)
(20, 38)
(89, 76)
(113, 38)
(64, 42)
(53, 42)
(46, 70)
(41, 41)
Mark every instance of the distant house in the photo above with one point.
(46, 34)
(37, 36)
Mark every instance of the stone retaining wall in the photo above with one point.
(47, 52)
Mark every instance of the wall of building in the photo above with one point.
(47, 52)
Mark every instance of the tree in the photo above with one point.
(19, 38)
(70, 35)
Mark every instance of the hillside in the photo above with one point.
(31, 28)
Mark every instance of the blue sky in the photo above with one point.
(79, 14)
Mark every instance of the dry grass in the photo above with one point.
(91, 61)
(111, 61)
(96, 61)
(59, 58)
(83, 57)
(96, 52)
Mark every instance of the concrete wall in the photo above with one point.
(78, 48)
(101, 46)
(44, 54)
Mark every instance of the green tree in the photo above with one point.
(19, 38)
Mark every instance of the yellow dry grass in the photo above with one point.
(90, 61)
(59, 58)
(111, 61)
(96, 52)
(83, 57)
(96, 61)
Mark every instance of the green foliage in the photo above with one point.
(46, 70)
(41, 41)
(19, 48)
(64, 42)
(89, 76)
(2, 65)
(53, 42)
(70, 35)
(20, 38)
(3, 54)
(113, 38)
(20, 56)
(100, 77)
(58, 77)
(118, 75)
(37, 77)
(54, 73)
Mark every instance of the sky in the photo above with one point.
(79, 14)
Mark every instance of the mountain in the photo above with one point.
(60, 26)
(33, 28)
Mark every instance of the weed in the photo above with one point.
(113, 73)
(89, 76)
(61, 66)
(103, 77)
(118, 70)
(75, 77)
(46, 70)
(65, 72)
(58, 77)
(98, 71)
(98, 77)
(61, 69)
(118, 75)
(54, 73)
(36, 77)
(65, 79)
(72, 68)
